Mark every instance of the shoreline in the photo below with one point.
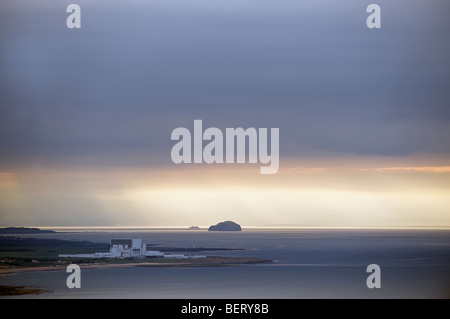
(6, 271)
(209, 262)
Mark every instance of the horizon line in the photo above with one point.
(205, 227)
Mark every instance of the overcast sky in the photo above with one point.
(105, 98)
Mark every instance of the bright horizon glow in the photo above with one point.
(350, 196)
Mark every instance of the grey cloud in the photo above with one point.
(116, 88)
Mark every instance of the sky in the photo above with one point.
(86, 115)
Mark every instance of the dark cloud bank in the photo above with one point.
(112, 92)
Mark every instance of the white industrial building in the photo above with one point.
(128, 248)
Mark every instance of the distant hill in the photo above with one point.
(225, 226)
(23, 230)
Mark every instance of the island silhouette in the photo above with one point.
(225, 226)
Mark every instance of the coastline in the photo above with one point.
(215, 261)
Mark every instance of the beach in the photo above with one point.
(214, 261)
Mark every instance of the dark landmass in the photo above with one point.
(30, 254)
(37, 252)
(225, 226)
(24, 230)
(194, 228)
(20, 290)
(7, 242)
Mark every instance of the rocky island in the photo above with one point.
(225, 226)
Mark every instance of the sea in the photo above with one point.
(307, 263)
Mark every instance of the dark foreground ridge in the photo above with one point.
(225, 226)
(24, 230)
(21, 290)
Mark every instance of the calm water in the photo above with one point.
(307, 264)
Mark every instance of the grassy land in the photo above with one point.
(36, 252)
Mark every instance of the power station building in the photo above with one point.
(128, 248)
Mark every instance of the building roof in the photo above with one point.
(122, 241)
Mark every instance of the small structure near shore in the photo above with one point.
(128, 248)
